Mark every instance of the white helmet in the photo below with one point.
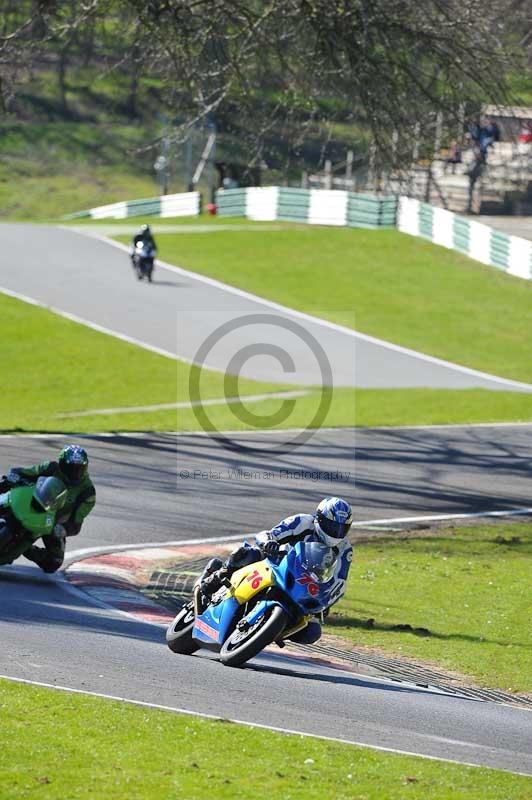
(332, 520)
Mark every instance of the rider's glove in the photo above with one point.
(13, 477)
(270, 548)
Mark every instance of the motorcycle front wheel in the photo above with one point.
(179, 632)
(244, 644)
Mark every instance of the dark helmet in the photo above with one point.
(73, 462)
(332, 520)
(49, 494)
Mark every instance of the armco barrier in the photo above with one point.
(334, 207)
(311, 206)
(232, 202)
(185, 204)
(480, 242)
(293, 204)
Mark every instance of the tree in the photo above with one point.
(279, 67)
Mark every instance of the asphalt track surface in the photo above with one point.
(179, 312)
(55, 636)
(165, 488)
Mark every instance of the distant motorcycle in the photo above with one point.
(142, 257)
(265, 602)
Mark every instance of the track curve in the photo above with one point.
(138, 479)
(84, 275)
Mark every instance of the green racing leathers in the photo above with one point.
(80, 500)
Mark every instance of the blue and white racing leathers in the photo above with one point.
(297, 528)
(300, 527)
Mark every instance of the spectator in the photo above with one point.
(474, 173)
(483, 134)
(454, 156)
(493, 130)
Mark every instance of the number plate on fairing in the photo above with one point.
(248, 581)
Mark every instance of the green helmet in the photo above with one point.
(49, 494)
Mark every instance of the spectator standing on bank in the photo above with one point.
(454, 156)
(474, 173)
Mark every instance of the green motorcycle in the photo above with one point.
(28, 513)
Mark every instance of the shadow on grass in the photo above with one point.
(355, 623)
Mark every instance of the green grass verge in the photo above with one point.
(58, 745)
(388, 284)
(469, 588)
(58, 367)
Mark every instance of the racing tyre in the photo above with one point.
(179, 633)
(244, 644)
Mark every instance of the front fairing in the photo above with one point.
(34, 523)
(213, 625)
(310, 595)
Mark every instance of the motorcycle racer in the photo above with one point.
(71, 468)
(142, 252)
(329, 525)
(144, 234)
(28, 513)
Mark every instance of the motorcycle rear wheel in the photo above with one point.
(239, 647)
(179, 632)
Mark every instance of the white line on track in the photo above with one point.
(367, 523)
(217, 401)
(288, 731)
(271, 431)
(322, 322)
(81, 321)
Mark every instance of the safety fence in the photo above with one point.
(185, 204)
(481, 242)
(312, 206)
(511, 254)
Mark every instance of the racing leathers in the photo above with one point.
(146, 237)
(300, 527)
(80, 500)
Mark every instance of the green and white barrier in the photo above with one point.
(185, 204)
(335, 207)
(481, 242)
(312, 206)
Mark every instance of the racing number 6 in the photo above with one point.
(255, 578)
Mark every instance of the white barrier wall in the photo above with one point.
(261, 203)
(443, 227)
(481, 242)
(327, 207)
(520, 257)
(186, 204)
(113, 211)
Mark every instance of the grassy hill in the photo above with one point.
(383, 283)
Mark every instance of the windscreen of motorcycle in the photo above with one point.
(319, 560)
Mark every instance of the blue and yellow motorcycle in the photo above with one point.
(265, 602)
